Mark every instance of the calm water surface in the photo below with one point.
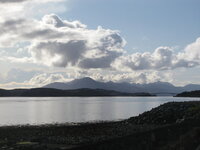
(24, 110)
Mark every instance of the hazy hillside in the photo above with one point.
(164, 88)
(92, 84)
(192, 87)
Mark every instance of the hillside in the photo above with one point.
(189, 94)
(47, 92)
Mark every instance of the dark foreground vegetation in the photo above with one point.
(47, 92)
(189, 94)
(172, 126)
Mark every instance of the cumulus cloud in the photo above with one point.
(78, 45)
(58, 53)
(55, 42)
(18, 59)
(192, 51)
(141, 77)
(163, 58)
(60, 43)
(19, 30)
(54, 20)
(44, 79)
(100, 62)
(63, 43)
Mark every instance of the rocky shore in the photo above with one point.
(171, 126)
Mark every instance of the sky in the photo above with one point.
(135, 41)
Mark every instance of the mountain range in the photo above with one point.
(158, 88)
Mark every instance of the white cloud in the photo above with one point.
(163, 58)
(54, 20)
(58, 53)
(18, 59)
(141, 77)
(44, 79)
(192, 51)
(62, 43)
(78, 46)
(28, 8)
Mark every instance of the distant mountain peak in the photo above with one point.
(83, 80)
(86, 79)
(156, 87)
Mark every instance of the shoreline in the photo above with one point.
(160, 128)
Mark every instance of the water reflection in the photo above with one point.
(77, 109)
